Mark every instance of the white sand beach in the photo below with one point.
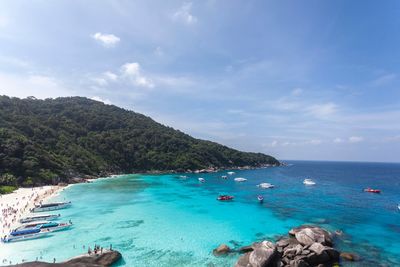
(17, 204)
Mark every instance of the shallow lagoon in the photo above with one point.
(162, 220)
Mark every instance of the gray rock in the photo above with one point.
(263, 254)
(243, 261)
(245, 249)
(299, 263)
(308, 234)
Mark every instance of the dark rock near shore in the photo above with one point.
(107, 258)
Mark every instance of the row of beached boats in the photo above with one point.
(37, 226)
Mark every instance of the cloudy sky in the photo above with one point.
(296, 79)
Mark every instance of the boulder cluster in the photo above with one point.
(305, 246)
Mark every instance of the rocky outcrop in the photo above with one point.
(305, 246)
(105, 259)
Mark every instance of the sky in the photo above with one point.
(310, 80)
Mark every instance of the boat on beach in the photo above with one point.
(51, 206)
(308, 182)
(47, 217)
(266, 185)
(22, 235)
(240, 179)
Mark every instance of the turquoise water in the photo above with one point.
(162, 220)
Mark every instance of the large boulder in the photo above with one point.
(321, 254)
(263, 255)
(221, 250)
(308, 235)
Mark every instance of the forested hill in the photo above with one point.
(43, 141)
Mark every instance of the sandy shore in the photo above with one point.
(17, 204)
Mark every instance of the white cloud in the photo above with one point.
(105, 101)
(356, 139)
(314, 142)
(108, 40)
(338, 140)
(297, 91)
(111, 76)
(40, 86)
(384, 79)
(184, 14)
(132, 71)
(322, 110)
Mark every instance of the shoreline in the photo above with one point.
(17, 204)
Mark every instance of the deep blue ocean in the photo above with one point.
(164, 220)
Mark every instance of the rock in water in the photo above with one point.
(349, 256)
(221, 250)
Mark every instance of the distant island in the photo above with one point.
(54, 140)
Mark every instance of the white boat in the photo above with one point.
(24, 235)
(398, 206)
(265, 185)
(308, 182)
(224, 177)
(240, 179)
(230, 173)
(51, 206)
(45, 226)
(183, 177)
(202, 180)
(47, 217)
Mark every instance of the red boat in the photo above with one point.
(370, 190)
(224, 198)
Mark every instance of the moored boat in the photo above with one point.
(225, 198)
(51, 206)
(240, 179)
(47, 217)
(260, 198)
(24, 235)
(230, 173)
(224, 177)
(201, 180)
(308, 182)
(46, 226)
(370, 190)
(266, 185)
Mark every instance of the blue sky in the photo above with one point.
(295, 79)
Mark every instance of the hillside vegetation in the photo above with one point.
(52, 140)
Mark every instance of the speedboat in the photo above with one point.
(308, 182)
(398, 206)
(370, 190)
(265, 185)
(24, 235)
(240, 179)
(47, 217)
(224, 177)
(183, 177)
(51, 206)
(225, 198)
(260, 198)
(30, 225)
(201, 180)
(46, 226)
(230, 173)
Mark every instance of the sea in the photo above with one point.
(170, 220)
